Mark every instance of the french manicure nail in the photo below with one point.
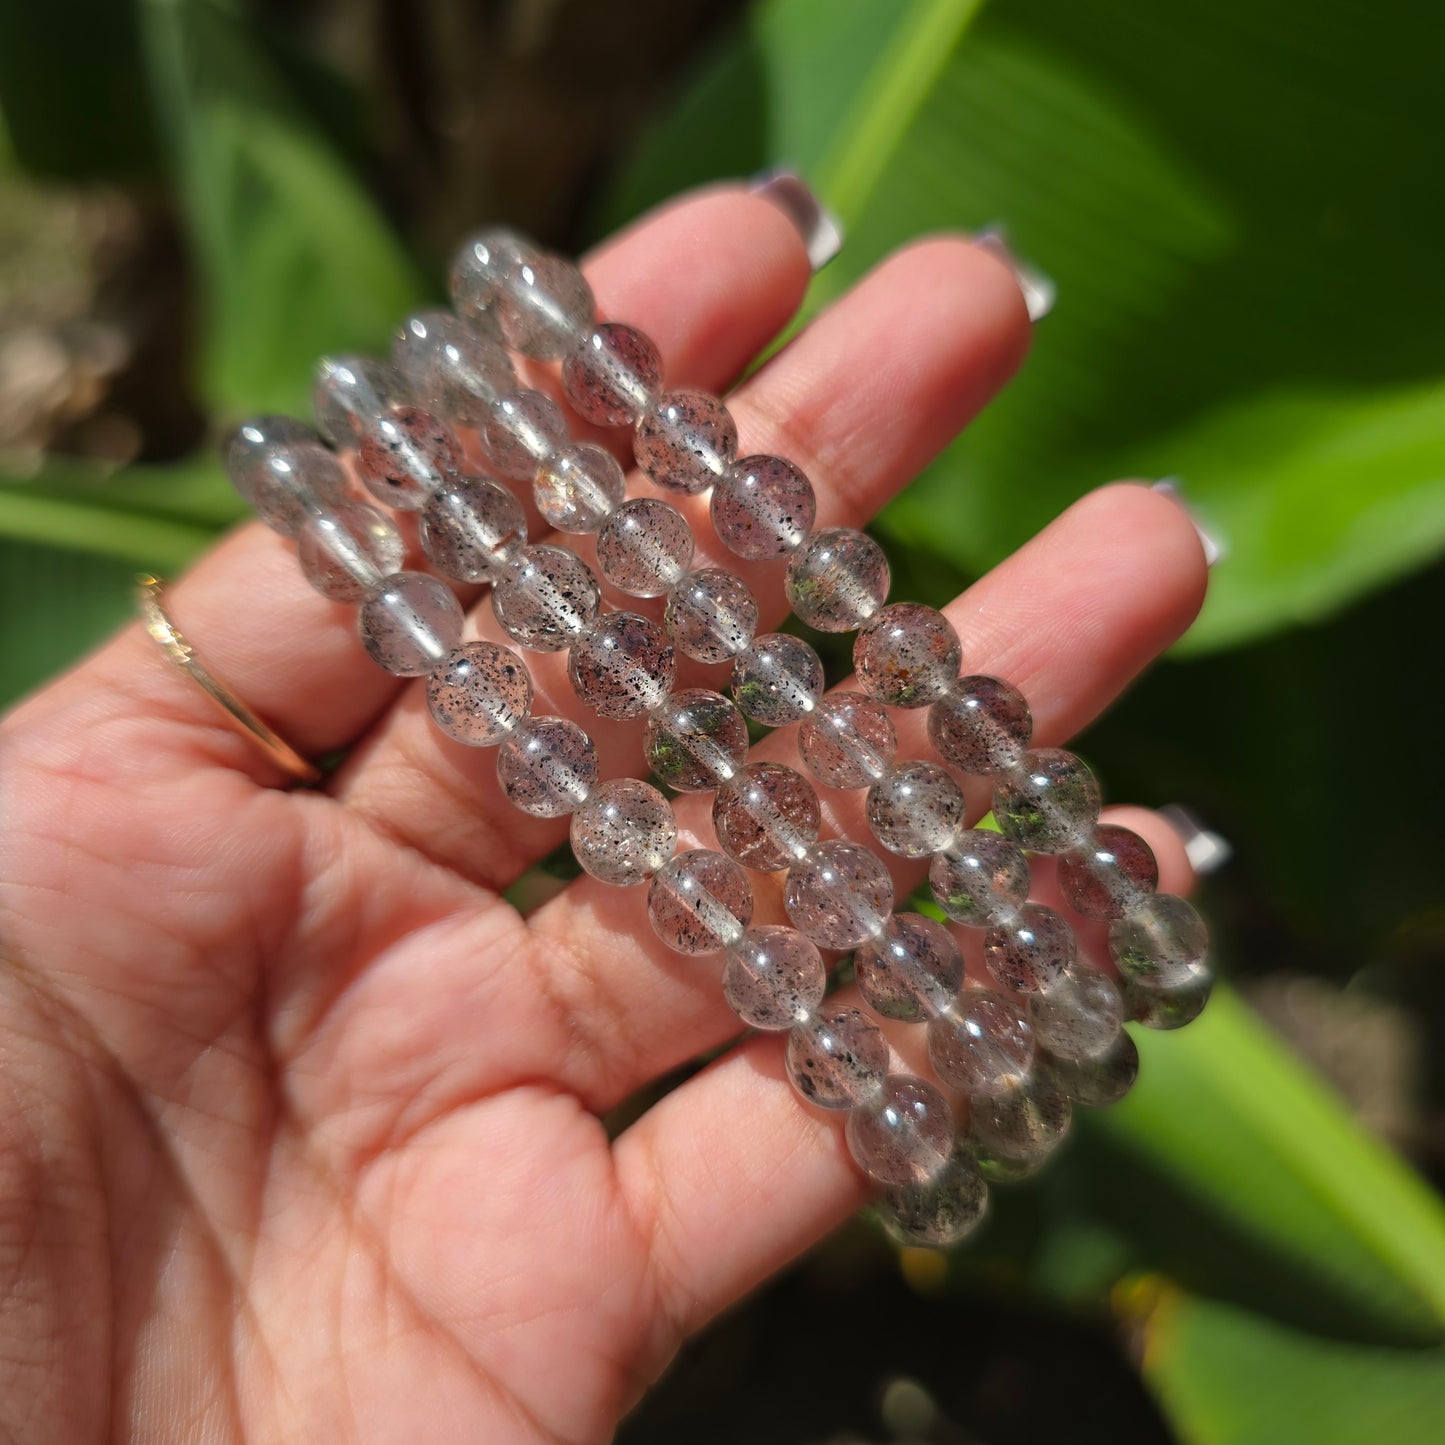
(1039, 288)
(1214, 548)
(820, 229)
(1206, 850)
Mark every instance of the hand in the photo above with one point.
(299, 1125)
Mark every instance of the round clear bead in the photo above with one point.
(839, 895)
(353, 393)
(1162, 942)
(911, 971)
(981, 725)
(1159, 1006)
(777, 679)
(1081, 1017)
(409, 623)
(613, 376)
(1049, 803)
(544, 307)
(766, 817)
(624, 832)
(942, 1210)
(1016, 1132)
(711, 615)
(406, 457)
(479, 693)
(478, 272)
(1032, 952)
(1097, 1083)
(621, 665)
(548, 767)
(645, 547)
(695, 741)
(837, 579)
(981, 880)
(984, 1045)
(685, 441)
(450, 367)
(915, 809)
(578, 487)
(837, 1058)
(1110, 876)
(903, 1135)
(774, 978)
(847, 741)
(907, 655)
(256, 435)
(545, 598)
(763, 507)
(471, 528)
(286, 481)
(699, 902)
(347, 551)
(521, 432)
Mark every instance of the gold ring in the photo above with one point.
(151, 601)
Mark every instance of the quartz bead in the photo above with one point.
(767, 816)
(1097, 1083)
(548, 767)
(286, 482)
(1031, 952)
(711, 615)
(942, 1210)
(409, 623)
(1157, 1006)
(624, 831)
(982, 725)
(1017, 1131)
(479, 269)
(903, 1134)
(645, 547)
(544, 307)
(981, 880)
(1110, 876)
(545, 597)
(847, 741)
(763, 507)
(911, 971)
(257, 435)
(1081, 1017)
(353, 393)
(450, 368)
(837, 1058)
(407, 456)
(621, 665)
(699, 902)
(1049, 802)
(471, 528)
(479, 693)
(839, 895)
(777, 679)
(578, 487)
(915, 809)
(613, 376)
(522, 431)
(1162, 942)
(907, 655)
(695, 741)
(346, 551)
(837, 579)
(774, 978)
(985, 1045)
(685, 441)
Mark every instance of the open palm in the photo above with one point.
(300, 1120)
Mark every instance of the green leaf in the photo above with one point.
(1204, 185)
(1226, 1377)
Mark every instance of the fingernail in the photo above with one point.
(1206, 850)
(1038, 287)
(820, 229)
(1214, 548)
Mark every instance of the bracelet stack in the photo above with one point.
(1043, 1032)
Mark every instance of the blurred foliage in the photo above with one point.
(1207, 184)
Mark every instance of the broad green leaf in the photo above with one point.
(1226, 1377)
(1205, 183)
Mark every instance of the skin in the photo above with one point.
(299, 1120)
